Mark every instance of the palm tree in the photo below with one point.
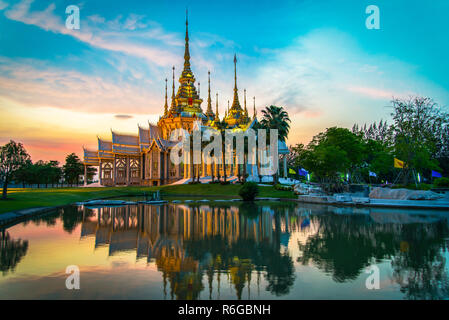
(276, 118)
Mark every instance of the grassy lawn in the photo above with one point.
(33, 198)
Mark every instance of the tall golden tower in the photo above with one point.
(188, 102)
(209, 113)
(235, 115)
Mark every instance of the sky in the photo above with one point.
(61, 88)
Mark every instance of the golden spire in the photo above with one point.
(186, 51)
(187, 98)
(166, 105)
(173, 93)
(209, 112)
(216, 109)
(255, 111)
(198, 88)
(246, 110)
(235, 103)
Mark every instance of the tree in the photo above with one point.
(381, 132)
(39, 173)
(23, 174)
(419, 128)
(12, 157)
(337, 150)
(379, 159)
(72, 169)
(276, 118)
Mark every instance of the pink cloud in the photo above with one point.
(64, 89)
(373, 92)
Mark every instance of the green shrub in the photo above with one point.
(412, 186)
(283, 188)
(441, 182)
(249, 191)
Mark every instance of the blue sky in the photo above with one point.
(61, 87)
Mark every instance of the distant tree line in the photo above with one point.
(418, 135)
(16, 166)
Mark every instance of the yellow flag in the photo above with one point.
(291, 171)
(398, 163)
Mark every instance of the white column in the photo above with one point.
(127, 171)
(151, 164)
(285, 166)
(204, 173)
(159, 169)
(100, 173)
(115, 171)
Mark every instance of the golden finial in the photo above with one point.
(244, 95)
(216, 109)
(209, 111)
(235, 71)
(255, 111)
(236, 103)
(199, 88)
(166, 105)
(173, 93)
(186, 52)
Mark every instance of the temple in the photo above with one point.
(144, 159)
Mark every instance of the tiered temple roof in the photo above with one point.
(125, 143)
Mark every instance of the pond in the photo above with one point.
(227, 250)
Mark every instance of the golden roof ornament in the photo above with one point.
(187, 98)
(236, 102)
(255, 111)
(186, 49)
(245, 109)
(166, 105)
(216, 110)
(173, 103)
(236, 115)
(209, 112)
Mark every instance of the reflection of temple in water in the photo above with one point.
(188, 242)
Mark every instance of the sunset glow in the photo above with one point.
(59, 88)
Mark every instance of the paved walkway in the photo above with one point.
(441, 204)
(15, 216)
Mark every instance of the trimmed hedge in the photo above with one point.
(283, 188)
(442, 182)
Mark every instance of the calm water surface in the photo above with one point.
(227, 250)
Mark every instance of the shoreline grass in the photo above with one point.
(19, 199)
